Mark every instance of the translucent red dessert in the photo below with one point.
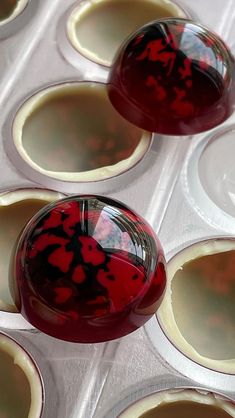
(88, 269)
(173, 77)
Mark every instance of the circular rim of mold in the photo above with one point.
(68, 180)
(13, 319)
(192, 186)
(150, 390)
(189, 363)
(28, 365)
(77, 14)
(11, 26)
(20, 7)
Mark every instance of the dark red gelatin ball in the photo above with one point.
(88, 269)
(173, 77)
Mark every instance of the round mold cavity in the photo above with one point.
(97, 28)
(209, 179)
(194, 329)
(172, 396)
(22, 389)
(72, 133)
(16, 209)
(10, 9)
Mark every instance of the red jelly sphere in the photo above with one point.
(173, 77)
(88, 269)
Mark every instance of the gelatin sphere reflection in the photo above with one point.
(88, 269)
(173, 77)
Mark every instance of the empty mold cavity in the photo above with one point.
(9, 9)
(21, 387)
(180, 404)
(216, 170)
(97, 28)
(71, 132)
(16, 209)
(198, 313)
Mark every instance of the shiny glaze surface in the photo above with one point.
(88, 269)
(173, 77)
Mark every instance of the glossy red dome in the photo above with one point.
(173, 77)
(88, 269)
